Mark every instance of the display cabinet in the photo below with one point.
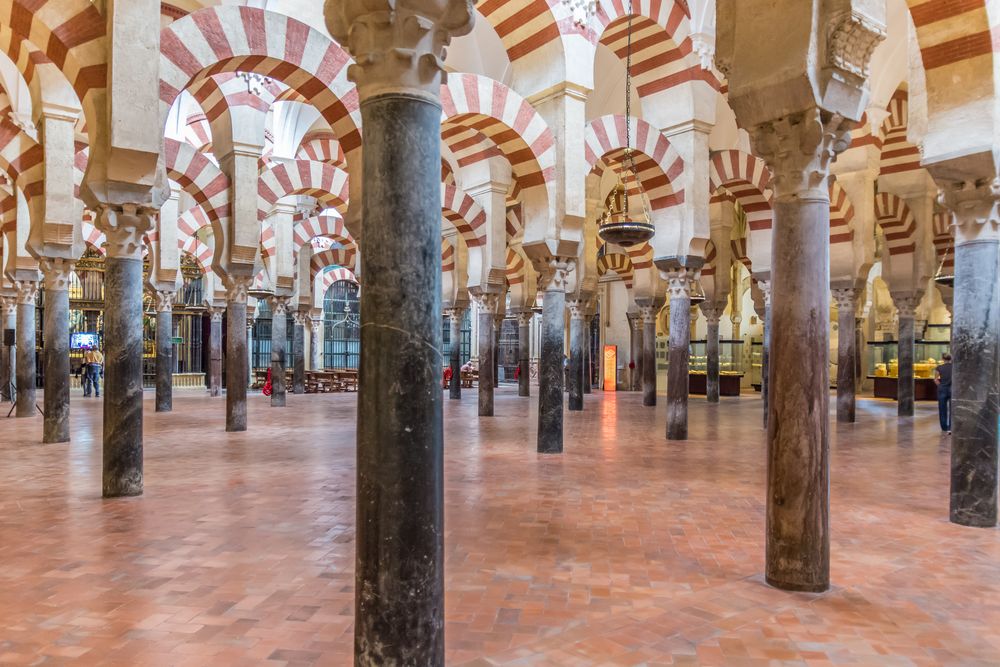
(883, 367)
(756, 363)
(730, 367)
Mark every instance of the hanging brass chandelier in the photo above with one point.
(618, 224)
(945, 276)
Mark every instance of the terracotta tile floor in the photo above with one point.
(626, 550)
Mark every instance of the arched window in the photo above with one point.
(466, 338)
(342, 320)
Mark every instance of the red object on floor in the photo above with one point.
(266, 390)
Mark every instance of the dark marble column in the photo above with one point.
(497, 327)
(455, 316)
(123, 453)
(215, 351)
(975, 401)
(299, 317)
(165, 351)
(906, 305)
(57, 274)
(524, 352)
(550, 362)
(279, 341)
(847, 306)
(765, 349)
(679, 282)
(859, 346)
(237, 361)
(486, 306)
(588, 357)
(648, 354)
(27, 292)
(636, 352)
(8, 305)
(713, 314)
(577, 345)
(316, 343)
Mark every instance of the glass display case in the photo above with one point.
(883, 367)
(756, 363)
(730, 367)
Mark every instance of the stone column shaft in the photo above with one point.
(57, 274)
(299, 353)
(25, 349)
(455, 316)
(637, 352)
(237, 361)
(712, 380)
(7, 354)
(765, 350)
(215, 352)
(588, 360)
(906, 305)
(487, 307)
(497, 328)
(316, 344)
(679, 351)
(524, 353)
(577, 345)
(648, 355)
(846, 353)
(164, 351)
(550, 363)
(279, 341)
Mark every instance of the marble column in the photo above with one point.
(299, 317)
(524, 352)
(251, 319)
(56, 274)
(798, 149)
(636, 352)
(316, 343)
(399, 566)
(123, 453)
(859, 346)
(765, 350)
(215, 351)
(497, 328)
(455, 316)
(550, 363)
(588, 357)
(713, 315)
(279, 341)
(648, 314)
(847, 306)
(165, 351)
(486, 304)
(238, 327)
(906, 305)
(975, 347)
(27, 292)
(8, 304)
(679, 289)
(577, 345)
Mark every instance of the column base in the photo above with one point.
(797, 587)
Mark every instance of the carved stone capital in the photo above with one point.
(524, 318)
(279, 304)
(314, 326)
(165, 301)
(27, 292)
(56, 273)
(846, 298)
(486, 302)
(9, 306)
(125, 226)
(557, 273)
(975, 205)
(851, 39)
(765, 287)
(679, 283)
(798, 149)
(300, 317)
(455, 314)
(215, 314)
(636, 322)
(713, 313)
(577, 308)
(237, 288)
(906, 303)
(398, 45)
(648, 314)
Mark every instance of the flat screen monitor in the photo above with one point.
(81, 341)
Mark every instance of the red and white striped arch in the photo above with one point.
(618, 263)
(201, 253)
(505, 118)
(467, 216)
(740, 253)
(199, 132)
(21, 158)
(344, 257)
(92, 236)
(897, 223)
(514, 268)
(746, 178)
(662, 54)
(199, 177)
(327, 279)
(898, 154)
(326, 183)
(527, 26)
(944, 242)
(322, 146)
(321, 226)
(658, 165)
(841, 215)
(515, 220)
(953, 32)
(229, 38)
(447, 256)
(192, 221)
(642, 256)
(709, 269)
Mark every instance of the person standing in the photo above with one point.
(93, 366)
(942, 378)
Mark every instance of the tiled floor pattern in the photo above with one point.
(625, 550)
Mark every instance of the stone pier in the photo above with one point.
(316, 343)
(524, 352)
(847, 306)
(56, 273)
(713, 315)
(679, 350)
(648, 371)
(550, 362)
(237, 361)
(279, 341)
(636, 351)
(299, 317)
(455, 316)
(486, 304)
(906, 305)
(588, 357)
(215, 351)
(765, 349)
(165, 351)
(577, 347)
(497, 327)
(8, 305)
(27, 293)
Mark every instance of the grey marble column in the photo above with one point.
(765, 350)
(165, 351)
(847, 306)
(577, 345)
(215, 351)
(906, 305)
(27, 292)
(455, 316)
(975, 401)
(299, 352)
(635, 374)
(8, 304)
(679, 282)
(56, 274)
(713, 315)
(588, 357)
(497, 327)
(486, 307)
(648, 355)
(316, 343)
(251, 319)
(237, 361)
(524, 352)
(279, 341)
(123, 453)
(550, 363)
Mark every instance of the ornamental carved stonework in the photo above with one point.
(56, 273)
(27, 292)
(556, 276)
(165, 301)
(976, 205)
(398, 45)
(125, 226)
(850, 42)
(237, 288)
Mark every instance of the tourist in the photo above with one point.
(942, 378)
(93, 369)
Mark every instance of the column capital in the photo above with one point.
(577, 308)
(557, 273)
(27, 292)
(648, 314)
(846, 298)
(765, 287)
(455, 314)
(524, 318)
(679, 281)
(300, 317)
(486, 302)
(799, 148)
(398, 45)
(56, 273)
(9, 306)
(974, 204)
(906, 303)
(314, 324)
(636, 322)
(712, 312)
(279, 304)
(215, 313)
(237, 288)
(165, 301)
(125, 226)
